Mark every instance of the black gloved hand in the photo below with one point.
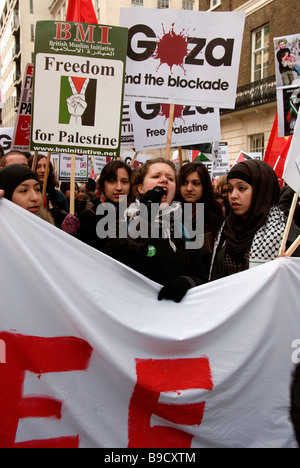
(153, 196)
(175, 289)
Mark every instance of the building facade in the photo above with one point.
(17, 29)
(249, 125)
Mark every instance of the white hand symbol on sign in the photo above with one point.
(77, 103)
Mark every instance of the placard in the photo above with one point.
(192, 125)
(81, 168)
(21, 138)
(78, 88)
(183, 57)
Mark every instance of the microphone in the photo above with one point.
(151, 200)
(160, 192)
(153, 196)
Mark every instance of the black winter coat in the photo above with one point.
(157, 260)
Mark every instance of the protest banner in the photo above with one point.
(95, 360)
(78, 81)
(183, 57)
(21, 138)
(191, 125)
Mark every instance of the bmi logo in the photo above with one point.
(77, 101)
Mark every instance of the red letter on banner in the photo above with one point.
(41, 356)
(154, 377)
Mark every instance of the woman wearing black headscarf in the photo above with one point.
(252, 233)
(21, 186)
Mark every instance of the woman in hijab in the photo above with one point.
(21, 186)
(252, 233)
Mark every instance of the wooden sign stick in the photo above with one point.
(170, 131)
(34, 162)
(133, 159)
(46, 177)
(293, 247)
(72, 184)
(289, 223)
(180, 157)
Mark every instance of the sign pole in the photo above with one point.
(180, 157)
(170, 131)
(293, 247)
(72, 185)
(289, 223)
(133, 159)
(34, 163)
(46, 177)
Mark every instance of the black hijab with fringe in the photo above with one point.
(240, 230)
(12, 176)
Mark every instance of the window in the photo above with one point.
(137, 3)
(260, 53)
(31, 6)
(187, 5)
(215, 3)
(162, 3)
(257, 143)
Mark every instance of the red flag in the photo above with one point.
(277, 150)
(81, 11)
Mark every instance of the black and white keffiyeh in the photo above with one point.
(267, 241)
(163, 222)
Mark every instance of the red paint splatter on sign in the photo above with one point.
(165, 112)
(172, 49)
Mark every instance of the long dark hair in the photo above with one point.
(109, 173)
(212, 211)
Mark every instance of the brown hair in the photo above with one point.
(140, 173)
(52, 181)
(3, 159)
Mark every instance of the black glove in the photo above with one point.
(152, 196)
(175, 289)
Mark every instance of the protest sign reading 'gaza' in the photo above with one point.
(79, 82)
(183, 57)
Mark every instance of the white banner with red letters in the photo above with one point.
(91, 358)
